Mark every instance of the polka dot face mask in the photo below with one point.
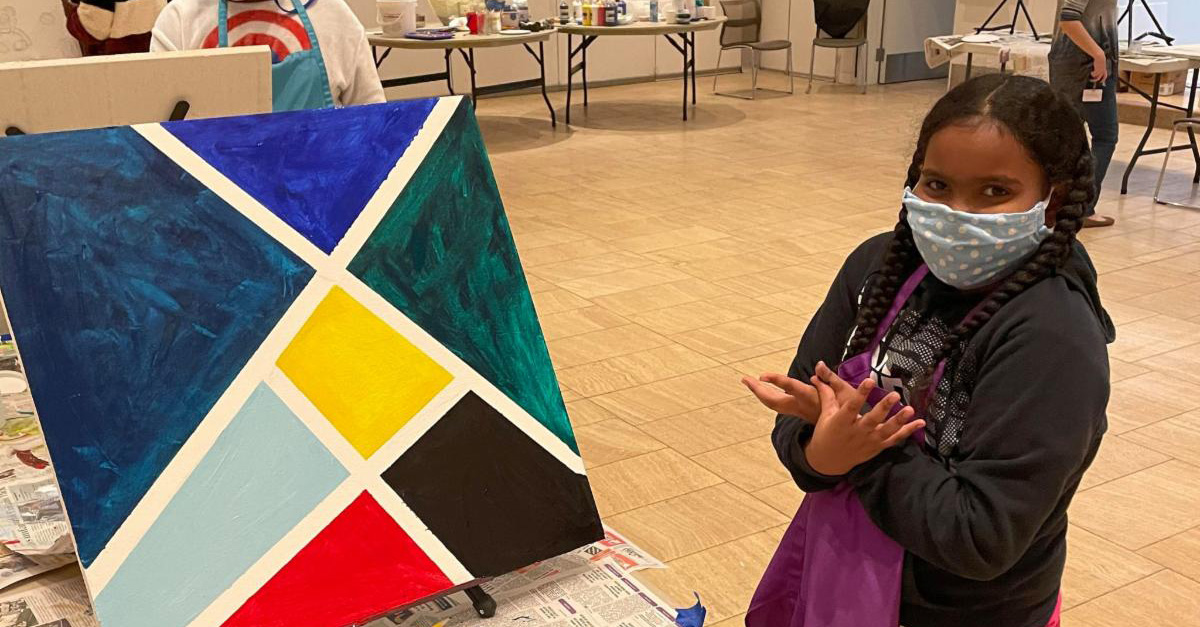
(969, 250)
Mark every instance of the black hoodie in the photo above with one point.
(984, 523)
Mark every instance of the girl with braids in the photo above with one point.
(940, 458)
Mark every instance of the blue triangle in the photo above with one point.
(316, 170)
(136, 296)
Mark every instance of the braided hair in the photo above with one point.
(1049, 127)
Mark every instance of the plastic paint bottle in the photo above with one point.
(653, 10)
(622, 8)
(610, 13)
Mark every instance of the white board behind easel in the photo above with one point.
(72, 94)
(34, 29)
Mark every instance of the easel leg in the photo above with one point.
(1145, 137)
(1191, 111)
(484, 604)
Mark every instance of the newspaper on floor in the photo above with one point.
(32, 521)
(604, 595)
(15, 567)
(589, 587)
(56, 599)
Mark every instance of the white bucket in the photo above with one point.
(397, 17)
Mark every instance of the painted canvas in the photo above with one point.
(286, 365)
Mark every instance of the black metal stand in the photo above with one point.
(468, 56)
(13, 131)
(1127, 14)
(1011, 26)
(484, 604)
(1188, 111)
(686, 46)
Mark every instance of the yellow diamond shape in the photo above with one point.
(366, 378)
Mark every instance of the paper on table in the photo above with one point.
(56, 599)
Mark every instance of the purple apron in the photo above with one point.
(855, 567)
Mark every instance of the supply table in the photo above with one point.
(466, 45)
(588, 34)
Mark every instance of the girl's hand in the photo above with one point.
(792, 397)
(843, 439)
(1100, 68)
(785, 395)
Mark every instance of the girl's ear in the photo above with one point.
(1057, 196)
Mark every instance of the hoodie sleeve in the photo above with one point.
(1034, 421)
(824, 340)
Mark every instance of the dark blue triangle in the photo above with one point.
(316, 170)
(136, 295)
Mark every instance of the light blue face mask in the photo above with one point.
(969, 250)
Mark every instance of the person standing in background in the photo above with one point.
(112, 26)
(320, 55)
(1084, 56)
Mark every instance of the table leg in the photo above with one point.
(540, 57)
(683, 37)
(570, 73)
(1191, 111)
(1145, 136)
(449, 80)
(692, 37)
(469, 56)
(970, 63)
(585, 85)
(379, 59)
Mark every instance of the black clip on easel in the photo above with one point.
(1011, 26)
(178, 113)
(1127, 14)
(484, 604)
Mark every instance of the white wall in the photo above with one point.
(970, 14)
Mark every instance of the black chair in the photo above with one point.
(743, 31)
(841, 24)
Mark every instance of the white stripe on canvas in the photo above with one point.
(385, 196)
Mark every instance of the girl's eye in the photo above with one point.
(935, 185)
(995, 191)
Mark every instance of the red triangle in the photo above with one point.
(361, 565)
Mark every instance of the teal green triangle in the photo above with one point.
(444, 256)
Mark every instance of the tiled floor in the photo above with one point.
(670, 258)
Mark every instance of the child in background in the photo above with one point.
(979, 315)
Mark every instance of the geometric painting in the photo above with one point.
(286, 365)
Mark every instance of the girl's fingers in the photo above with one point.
(785, 383)
(772, 398)
(903, 433)
(825, 393)
(893, 424)
(832, 378)
(879, 413)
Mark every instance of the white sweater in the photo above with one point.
(192, 24)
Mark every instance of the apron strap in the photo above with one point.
(906, 290)
(223, 24)
(302, 13)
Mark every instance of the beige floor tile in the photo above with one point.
(597, 345)
(727, 267)
(569, 394)
(557, 301)
(611, 441)
(1153, 336)
(626, 371)
(804, 300)
(782, 280)
(585, 412)
(661, 296)
(668, 239)
(714, 427)
(696, 521)
(1096, 567)
(1131, 283)
(1183, 364)
(1119, 457)
(1178, 437)
(751, 465)
(741, 334)
(725, 576)
(699, 314)
(1121, 370)
(1164, 598)
(578, 321)
(662, 399)
(1180, 553)
(785, 497)
(589, 266)
(1178, 302)
(702, 251)
(569, 251)
(785, 345)
(1148, 398)
(1142, 508)
(738, 620)
(779, 361)
(623, 280)
(1124, 313)
(645, 479)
